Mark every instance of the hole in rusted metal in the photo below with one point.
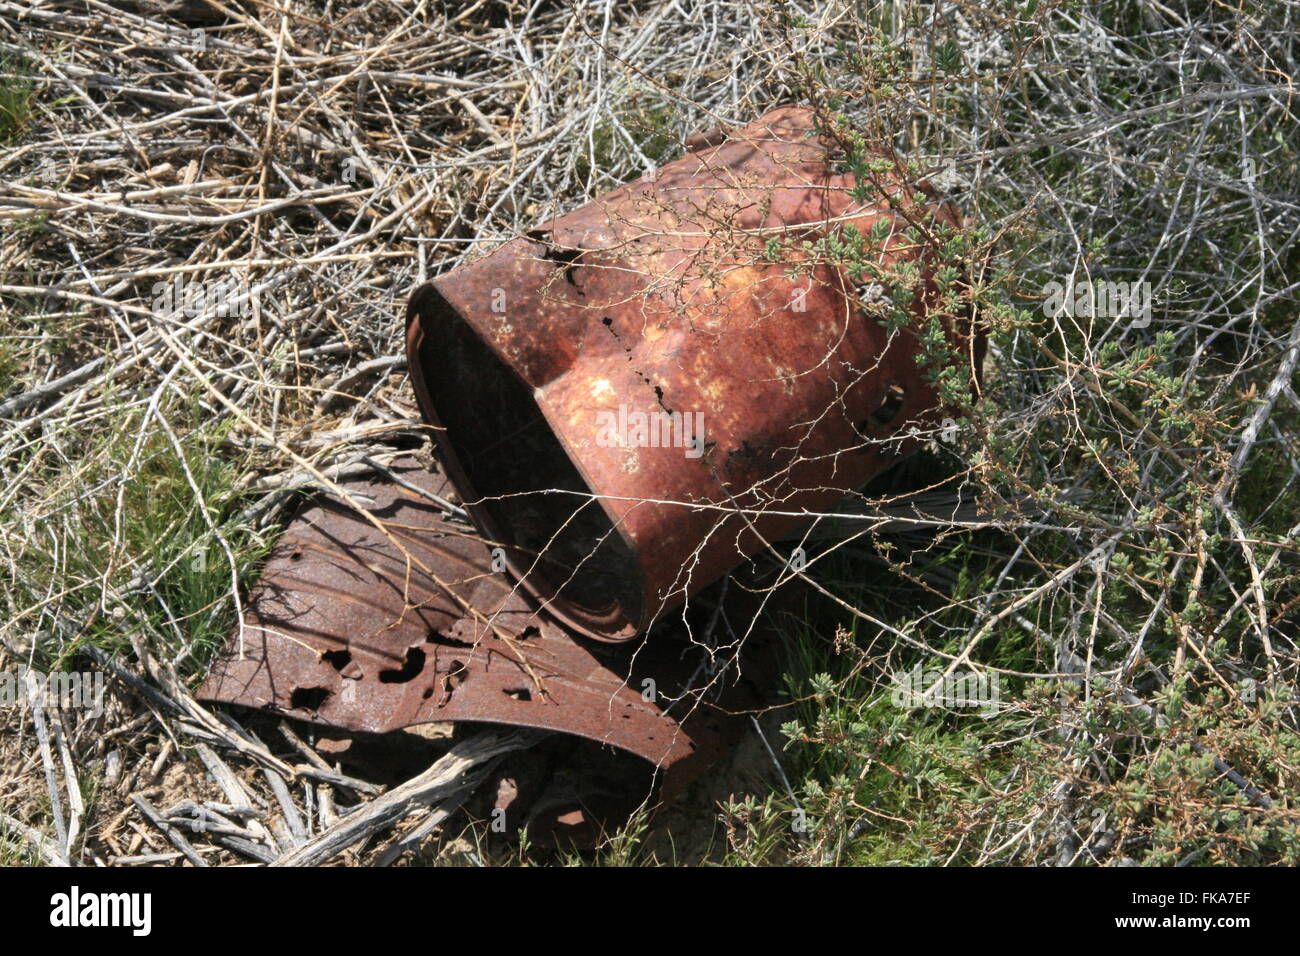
(409, 670)
(567, 259)
(437, 637)
(337, 659)
(891, 406)
(457, 674)
(518, 693)
(308, 698)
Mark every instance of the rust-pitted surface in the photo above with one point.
(657, 299)
(350, 628)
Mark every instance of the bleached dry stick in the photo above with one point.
(459, 770)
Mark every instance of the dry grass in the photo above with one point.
(322, 158)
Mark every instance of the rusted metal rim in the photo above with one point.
(432, 326)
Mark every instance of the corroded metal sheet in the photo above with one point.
(634, 397)
(378, 621)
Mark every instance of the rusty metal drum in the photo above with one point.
(637, 396)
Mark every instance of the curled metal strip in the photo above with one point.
(375, 630)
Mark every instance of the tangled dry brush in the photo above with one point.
(1119, 550)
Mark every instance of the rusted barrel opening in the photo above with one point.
(516, 476)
